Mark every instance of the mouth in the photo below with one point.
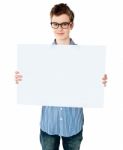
(59, 33)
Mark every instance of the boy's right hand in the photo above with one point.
(18, 77)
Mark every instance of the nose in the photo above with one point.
(59, 28)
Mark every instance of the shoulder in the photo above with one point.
(72, 42)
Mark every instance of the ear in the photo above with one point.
(71, 25)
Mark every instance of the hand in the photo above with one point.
(104, 80)
(18, 77)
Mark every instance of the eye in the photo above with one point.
(55, 23)
(65, 23)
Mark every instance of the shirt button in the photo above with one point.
(61, 108)
(61, 119)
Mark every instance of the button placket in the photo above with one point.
(61, 114)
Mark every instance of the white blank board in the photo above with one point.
(61, 75)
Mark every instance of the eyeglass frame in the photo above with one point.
(60, 24)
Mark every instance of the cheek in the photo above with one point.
(54, 31)
(67, 32)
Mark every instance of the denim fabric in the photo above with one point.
(52, 142)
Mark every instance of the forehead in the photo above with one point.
(60, 18)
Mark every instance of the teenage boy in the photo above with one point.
(61, 122)
(64, 122)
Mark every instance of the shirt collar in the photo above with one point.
(71, 42)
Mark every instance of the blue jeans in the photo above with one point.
(52, 142)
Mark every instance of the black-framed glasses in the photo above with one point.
(63, 25)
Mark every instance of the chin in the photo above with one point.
(61, 37)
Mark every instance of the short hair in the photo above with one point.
(60, 9)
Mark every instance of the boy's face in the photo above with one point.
(62, 31)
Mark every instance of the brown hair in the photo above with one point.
(60, 9)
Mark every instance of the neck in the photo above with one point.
(63, 42)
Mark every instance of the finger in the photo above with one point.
(104, 83)
(18, 76)
(105, 77)
(17, 82)
(19, 79)
(17, 72)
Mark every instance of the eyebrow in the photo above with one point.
(61, 22)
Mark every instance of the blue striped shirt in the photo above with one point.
(62, 121)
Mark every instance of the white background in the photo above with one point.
(97, 22)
